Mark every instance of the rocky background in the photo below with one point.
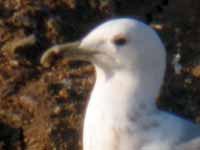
(43, 108)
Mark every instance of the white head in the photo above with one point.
(122, 45)
(126, 44)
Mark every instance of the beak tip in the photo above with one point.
(44, 62)
(46, 58)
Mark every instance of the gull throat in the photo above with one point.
(124, 89)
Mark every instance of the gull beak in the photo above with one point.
(70, 50)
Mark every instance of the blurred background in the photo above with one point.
(43, 108)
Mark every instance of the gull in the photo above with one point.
(130, 61)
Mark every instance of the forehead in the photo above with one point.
(115, 27)
(129, 29)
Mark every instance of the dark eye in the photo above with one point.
(119, 40)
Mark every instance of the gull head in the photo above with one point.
(125, 44)
(118, 44)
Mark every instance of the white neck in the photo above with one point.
(124, 90)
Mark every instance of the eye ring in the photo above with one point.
(119, 40)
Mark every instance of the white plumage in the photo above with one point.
(130, 62)
(121, 114)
